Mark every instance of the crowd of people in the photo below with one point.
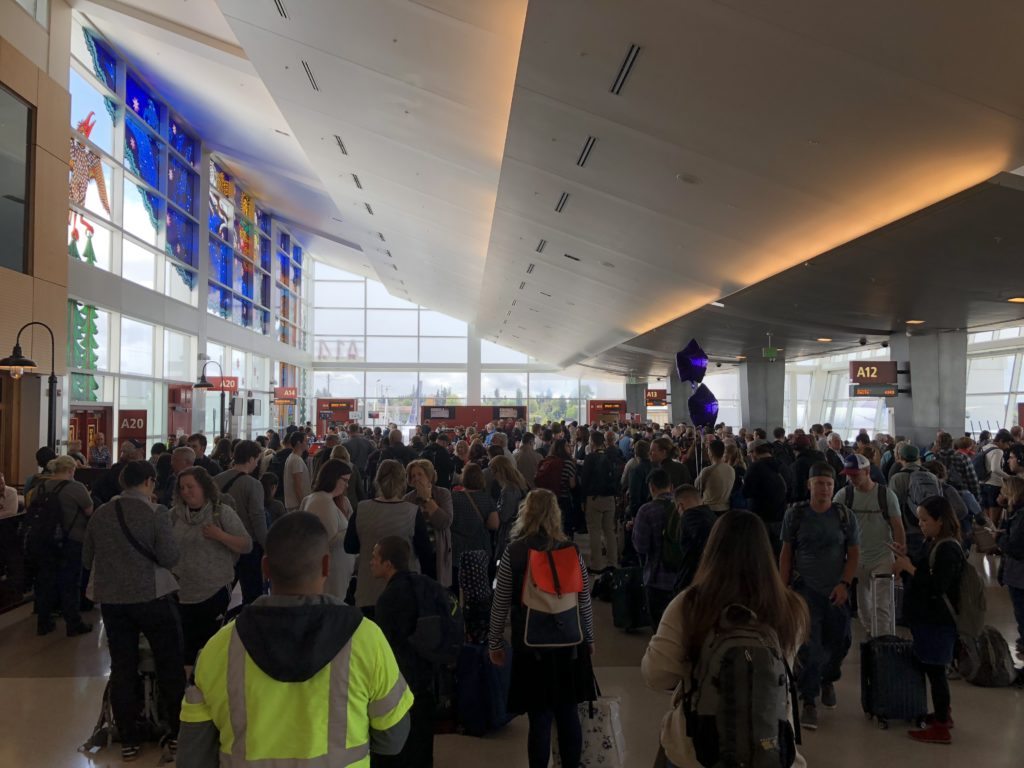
(338, 543)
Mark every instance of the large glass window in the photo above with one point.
(338, 384)
(178, 356)
(436, 324)
(443, 350)
(15, 135)
(341, 295)
(496, 354)
(136, 347)
(500, 388)
(391, 322)
(377, 296)
(391, 349)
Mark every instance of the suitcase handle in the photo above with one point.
(891, 579)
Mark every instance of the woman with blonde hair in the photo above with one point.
(356, 489)
(547, 683)
(435, 505)
(387, 514)
(512, 488)
(737, 569)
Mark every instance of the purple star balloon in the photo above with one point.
(703, 407)
(692, 362)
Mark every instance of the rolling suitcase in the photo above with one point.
(891, 680)
(629, 604)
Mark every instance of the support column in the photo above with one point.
(937, 381)
(636, 398)
(678, 393)
(762, 393)
(473, 393)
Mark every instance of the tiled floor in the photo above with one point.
(51, 690)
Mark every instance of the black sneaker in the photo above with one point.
(130, 752)
(81, 628)
(170, 745)
(828, 696)
(809, 717)
(45, 629)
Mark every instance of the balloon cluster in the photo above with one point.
(691, 365)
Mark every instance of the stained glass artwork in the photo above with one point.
(221, 261)
(263, 220)
(104, 64)
(141, 212)
(222, 181)
(219, 302)
(242, 312)
(296, 279)
(265, 290)
(181, 237)
(222, 217)
(284, 269)
(141, 103)
(248, 206)
(89, 180)
(297, 254)
(264, 322)
(141, 152)
(180, 140)
(245, 237)
(265, 252)
(181, 184)
(92, 115)
(243, 277)
(285, 243)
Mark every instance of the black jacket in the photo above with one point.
(696, 528)
(923, 603)
(443, 464)
(766, 488)
(396, 614)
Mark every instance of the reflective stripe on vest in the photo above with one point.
(337, 715)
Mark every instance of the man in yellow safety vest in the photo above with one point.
(300, 679)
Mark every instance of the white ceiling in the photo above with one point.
(750, 136)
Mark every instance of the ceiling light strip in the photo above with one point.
(626, 68)
(381, 236)
(369, 208)
(359, 184)
(522, 285)
(309, 74)
(541, 245)
(570, 256)
(585, 152)
(562, 201)
(529, 269)
(341, 144)
(281, 10)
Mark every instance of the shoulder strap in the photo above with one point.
(848, 497)
(469, 498)
(128, 534)
(229, 483)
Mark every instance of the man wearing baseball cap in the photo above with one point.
(881, 523)
(820, 552)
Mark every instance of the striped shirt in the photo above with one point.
(502, 602)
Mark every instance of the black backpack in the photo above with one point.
(276, 466)
(606, 481)
(43, 529)
(981, 464)
(440, 630)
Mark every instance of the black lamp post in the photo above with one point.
(17, 365)
(204, 383)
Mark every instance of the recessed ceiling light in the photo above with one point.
(278, 130)
(741, 357)
(1016, 300)
(716, 304)
(687, 178)
(824, 339)
(915, 322)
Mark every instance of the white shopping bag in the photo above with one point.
(603, 742)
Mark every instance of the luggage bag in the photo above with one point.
(892, 685)
(481, 690)
(629, 604)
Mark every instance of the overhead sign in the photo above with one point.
(225, 383)
(286, 393)
(873, 372)
(656, 398)
(440, 412)
(336, 404)
(873, 390)
(132, 425)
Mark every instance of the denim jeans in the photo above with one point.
(249, 573)
(821, 657)
(570, 735)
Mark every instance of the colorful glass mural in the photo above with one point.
(141, 152)
(104, 64)
(180, 140)
(81, 352)
(181, 184)
(141, 103)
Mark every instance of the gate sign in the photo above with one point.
(873, 372)
(286, 393)
(224, 383)
(656, 398)
(132, 425)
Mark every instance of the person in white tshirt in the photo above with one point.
(296, 473)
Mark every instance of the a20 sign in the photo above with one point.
(132, 424)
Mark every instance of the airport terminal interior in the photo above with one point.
(613, 253)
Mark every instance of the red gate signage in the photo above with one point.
(656, 398)
(286, 393)
(224, 383)
(132, 425)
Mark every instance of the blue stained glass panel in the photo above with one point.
(243, 312)
(297, 254)
(243, 277)
(264, 322)
(263, 221)
(141, 153)
(104, 64)
(141, 103)
(181, 237)
(284, 269)
(184, 144)
(266, 253)
(181, 184)
(265, 290)
(297, 279)
(221, 261)
(286, 242)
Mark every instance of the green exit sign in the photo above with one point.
(769, 352)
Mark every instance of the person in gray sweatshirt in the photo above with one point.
(129, 547)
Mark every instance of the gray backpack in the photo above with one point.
(737, 704)
(985, 660)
